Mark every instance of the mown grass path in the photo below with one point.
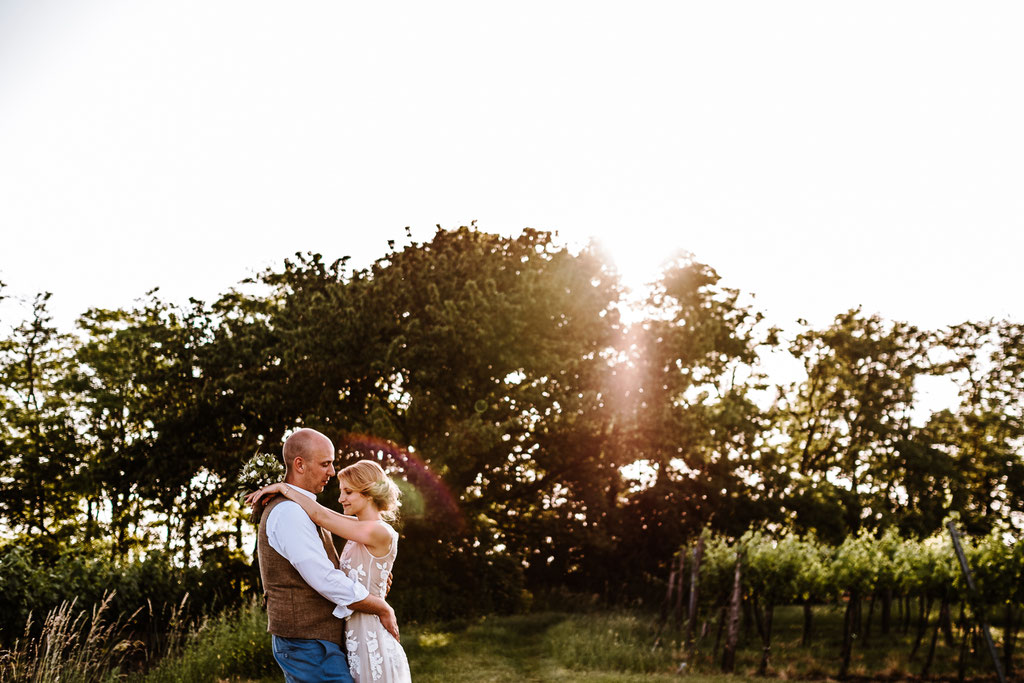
(531, 648)
(509, 649)
(506, 649)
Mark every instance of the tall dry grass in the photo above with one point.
(230, 646)
(73, 646)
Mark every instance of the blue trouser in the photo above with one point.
(310, 661)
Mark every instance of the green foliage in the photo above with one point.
(849, 421)
(782, 571)
(32, 583)
(683, 394)
(927, 567)
(40, 453)
(235, 643)
(492, 376)
(794, 569)
(996, 566)
(855, 567)
(982, 437)
(717, 568)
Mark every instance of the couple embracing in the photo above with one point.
(326, 615)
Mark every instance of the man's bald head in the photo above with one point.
(308, 460)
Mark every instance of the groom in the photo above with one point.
(308, 597)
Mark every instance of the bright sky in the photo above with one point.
(818, 154)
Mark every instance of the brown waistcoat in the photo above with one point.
(294, 610)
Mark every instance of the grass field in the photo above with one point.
(545, 646)
(541, 647)
(617, 646)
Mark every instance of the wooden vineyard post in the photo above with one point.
(676, 568)
(691, 617)
(680, 586)
(973, 594)
(732, 635)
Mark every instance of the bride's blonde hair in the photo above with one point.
(368, 478)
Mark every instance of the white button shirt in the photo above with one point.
(293, 534)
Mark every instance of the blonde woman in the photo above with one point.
(368, 498)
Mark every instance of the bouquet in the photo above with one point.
(258, 471)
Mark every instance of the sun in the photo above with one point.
(636, 258)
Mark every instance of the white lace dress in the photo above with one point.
(373, 653)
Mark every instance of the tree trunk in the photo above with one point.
(666, 606)
(691, 616)
(718, 632)
(769, 612)
(946, 622)
(961, 665)
(88, 519)
(748, 619)
(858, 617)
(733, 633)
(758, 620)
(677, 613)
(848, 630)
(871, 613)
(886, 611)
(806, 640)
(922, 624)
(668, 611)
(186, 533)
(120, 544)
(1009, 638)
(705, 627)
(931, 648)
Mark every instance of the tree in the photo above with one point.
(39, 450)
(688, 414)
(983, 438)
(493, 372)
(848, 425)
(154, 426)
(482, 357)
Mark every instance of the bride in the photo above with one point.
(368, 498)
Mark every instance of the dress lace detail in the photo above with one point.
(373, 653)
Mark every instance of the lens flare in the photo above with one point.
(428, 489)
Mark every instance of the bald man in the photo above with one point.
(308, 597)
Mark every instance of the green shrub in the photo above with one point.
(236, 643)
(34, 582)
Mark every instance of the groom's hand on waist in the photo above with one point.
(371, 604)
(390, 622)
